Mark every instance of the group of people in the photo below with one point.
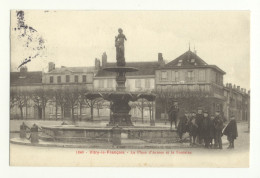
(205, 128)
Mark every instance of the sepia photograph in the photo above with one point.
(129, 88)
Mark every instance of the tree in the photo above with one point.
(61, 101)
(42, 96)
(81, 101)
(99, 104)
(12, 99)
(21, 99)
(71, 97)
(91, 99)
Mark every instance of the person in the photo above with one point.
(182, 126)
(218, 124)
(231, 132)
(192, 128)
(199, 118)
(173, 113)
(205, 131)
(211, 131)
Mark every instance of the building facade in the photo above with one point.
(192, 82)
(237, 102)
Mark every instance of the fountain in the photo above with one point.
(120, 99)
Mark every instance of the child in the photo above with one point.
(231, 132)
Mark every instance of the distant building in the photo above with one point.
(237, 102)
(21, 83)
(63, 78)
(69, 76)
(192, 82)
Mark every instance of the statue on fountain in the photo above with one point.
(120, 48)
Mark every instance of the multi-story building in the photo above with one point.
(237, 102)
(192, 82)
(68, 78)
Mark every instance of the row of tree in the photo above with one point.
(67, 98)
(63, 98)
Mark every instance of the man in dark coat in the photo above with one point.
(231, 132)
(192, 128)
(199, 118)
(218, 123)
(173, 113)
(183, 125)
(211, 131)
(205, 130)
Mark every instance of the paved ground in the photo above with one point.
(182, 157)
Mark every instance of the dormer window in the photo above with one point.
(192, 60)
(179, 64)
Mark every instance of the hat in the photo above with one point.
(217, 110)
(232, 116)
(193, 111)
(205, 111)
(186, 112)
(212, 115)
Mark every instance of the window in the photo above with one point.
(101, 83)
(67, 78)
(109, 83)
(59, 79)
(138, 83)
(164, 75)
(84, 78)
(90, 78)
(175, 76)
(202, 75)
(192, 60)
(51, 79)
(76, 79)
(147, 83)
(190, 75)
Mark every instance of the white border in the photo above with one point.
(252, 5)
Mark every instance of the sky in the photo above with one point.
(76, 38)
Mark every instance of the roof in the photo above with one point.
(190, 60)
(18, 78)
(144, 68)
(187, 59)
(72, 69)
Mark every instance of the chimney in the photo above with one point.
(104, 59)
(97, 64)
(238, 88)
(51, 66)
(160, 59)
(227, 85)
(234, 86)
(230, 85)
(23, 70)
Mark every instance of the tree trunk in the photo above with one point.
(72, 113)
(21, 111)
(80, 111)
(26, 111)
(62, 112)
(43, 113)
(91, 110)
(142, 110)
(56, 110)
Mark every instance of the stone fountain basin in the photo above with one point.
(72, 133)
